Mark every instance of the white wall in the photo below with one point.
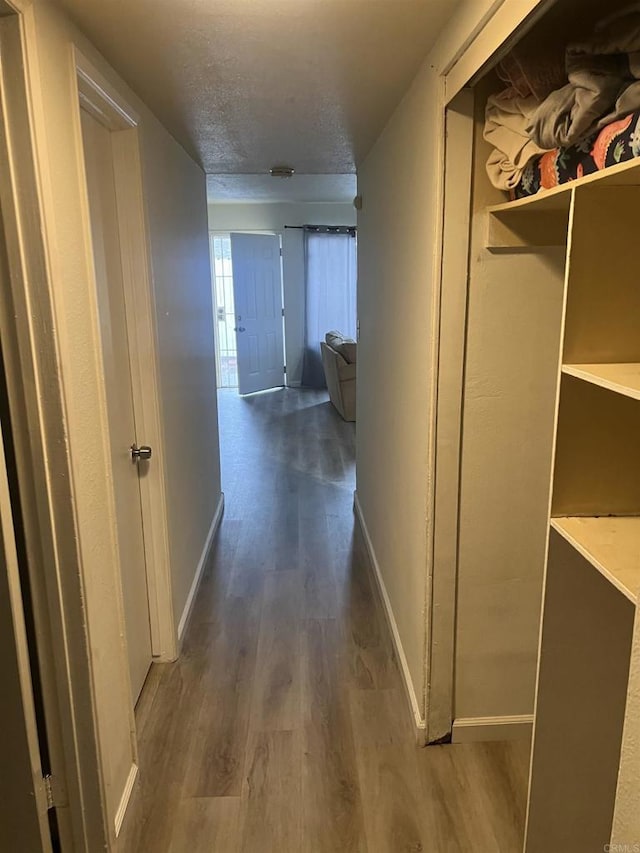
(177, 223)
(274, 217)
(178, 230)
(397, 182)
(398, 272)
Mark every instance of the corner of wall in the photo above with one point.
(199, 570)
(413, 703)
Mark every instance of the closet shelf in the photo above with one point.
(536, 228)
(611, 544)
(558, 199)
(537, 222)
(623, 378)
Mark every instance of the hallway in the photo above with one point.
(284, 725)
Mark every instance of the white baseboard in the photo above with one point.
(202, 562)
(295, 383)
(124, 799)
(418, 720)
(467, 729)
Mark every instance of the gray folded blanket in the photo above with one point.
(505, 129)
(604, 83)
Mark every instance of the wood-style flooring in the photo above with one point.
(283, 726)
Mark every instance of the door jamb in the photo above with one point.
(458, 165)
(459, 66)
(24, 662)
(42, 458)
(99, 98)
(216, 334)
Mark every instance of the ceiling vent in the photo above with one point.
(281, 172)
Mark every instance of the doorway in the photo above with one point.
(117, 238)
(248, 309)
(224, 311)
(126, 467)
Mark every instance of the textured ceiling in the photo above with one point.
(246, 84)
(299, 188)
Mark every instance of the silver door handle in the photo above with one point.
(140, 453)
(239, 329)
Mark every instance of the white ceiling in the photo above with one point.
(264, 188)
(247, 84)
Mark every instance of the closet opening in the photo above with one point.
(536, 507)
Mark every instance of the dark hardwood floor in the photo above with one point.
(283, 727)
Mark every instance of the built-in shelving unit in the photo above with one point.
(611, 544)
(513, 307)
(597, 464)
(543, 219)
(523, 224)
(593, 566)
(582, 688)
(623, 377)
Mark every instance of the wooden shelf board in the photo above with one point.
(623, 378)
(611, 544)
(559, 198)
(529, 230)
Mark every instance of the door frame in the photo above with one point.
(213, 233)
(36, 399)
(97, 97)
(459, 65)
(448, 414)
(19, 674)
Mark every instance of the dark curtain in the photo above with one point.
(330, 295)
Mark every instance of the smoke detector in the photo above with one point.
(281, 171)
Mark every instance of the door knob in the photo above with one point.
(140, 453)
(239, 329)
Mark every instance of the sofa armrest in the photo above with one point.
(346, 371)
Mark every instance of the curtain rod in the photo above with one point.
(328, 229)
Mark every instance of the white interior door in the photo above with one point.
(257, 293)
(115, 346)
(23, 804)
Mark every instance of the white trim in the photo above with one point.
(109, 108)
(412, 699)
(45, 471)
(445, 457)
(457, 50)
(112, 583)
(491, 39)
(124, 799)
(432, 442)
(472, 729)
(94, 89)
(202, 562)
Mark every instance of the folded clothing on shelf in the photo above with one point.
(507, 117)
(604, 83)
(617, 142)
(542, 137)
